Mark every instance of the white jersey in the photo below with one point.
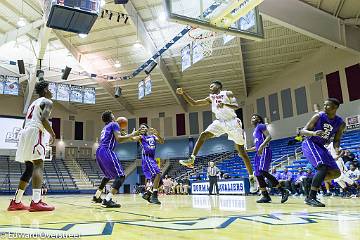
(339, 161)
(224, 113)
(34, 114)
(354, 175)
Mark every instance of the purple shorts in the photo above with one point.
(109, 163)
(149, 166)
(263, 162)
(317, 154)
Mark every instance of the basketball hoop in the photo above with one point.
(203, 38)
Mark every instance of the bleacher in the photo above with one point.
(59, 178)
(235, 167)
(175, 170)
(56, 175)
(93, 171)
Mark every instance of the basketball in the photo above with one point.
(122, 121)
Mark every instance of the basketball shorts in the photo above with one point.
(109, 163)
(263, 162)
(345, 179)
(31, 145)
(233, 128)
(317, 154)
(149, 166)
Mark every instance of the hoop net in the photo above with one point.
(204, 39)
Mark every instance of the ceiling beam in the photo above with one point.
(242, 67)
(352, 21)
(39, 54)
(149, 44)
(317, 24)
(88, 66)
(339, 8)
(12, 35)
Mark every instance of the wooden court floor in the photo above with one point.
(184, 217)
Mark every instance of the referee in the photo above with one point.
(212, 173)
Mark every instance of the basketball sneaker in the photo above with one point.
(189, 162)
(17, 206)
(110, 204)
(97, 200)
(264, 199)
(313, 202)
(154, 198)
(285, 195)
(40, 206)
(146, 196)
(253, 184)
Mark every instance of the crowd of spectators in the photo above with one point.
(299, 182)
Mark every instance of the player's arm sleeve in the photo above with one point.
(46, 107)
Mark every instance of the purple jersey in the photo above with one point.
(107, 138)
(286, 176)
(329, 126)
(258, 135)
(299, 175)
(148, 143)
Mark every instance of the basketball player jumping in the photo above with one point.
(147, 139)
(108, 160)
(319, 131)
(223, 105)
(31, 149)
(262, 160)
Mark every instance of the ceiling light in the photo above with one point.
(137, 45)
(162, 17)
(117, 64)
(82, 35)
(21, 22)
(102, 3)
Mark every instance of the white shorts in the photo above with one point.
(344, 179)
(233, 128)
(31, 145)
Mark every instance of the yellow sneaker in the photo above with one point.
(189, 162)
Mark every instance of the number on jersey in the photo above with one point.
(30, 115)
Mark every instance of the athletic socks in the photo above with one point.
(98, 193)
(265, 194)
(36, 196)
(312, 194)
(18, 195)
(109, 196)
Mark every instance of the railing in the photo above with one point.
(195, 170)
(298, 151)
(132, 167)
(286, 158)
(82, 175)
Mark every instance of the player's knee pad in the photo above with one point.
(118, 182)
(29, 168)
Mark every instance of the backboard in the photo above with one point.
(233, 17)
